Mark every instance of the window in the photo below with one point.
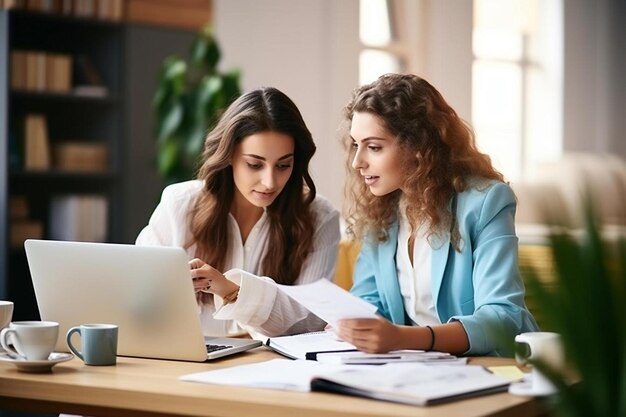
(517, 80)
(381, 52)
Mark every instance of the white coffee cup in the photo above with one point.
(6, 313)
(546, 347)
(32, 340)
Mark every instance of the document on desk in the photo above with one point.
(407, 383)
(410, 383)
(329, 302)
(281, 374)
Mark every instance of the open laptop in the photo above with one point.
(146, 290)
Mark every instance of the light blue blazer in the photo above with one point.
(480, 286)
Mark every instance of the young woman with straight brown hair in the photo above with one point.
(251, 218)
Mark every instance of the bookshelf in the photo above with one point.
(67, 100)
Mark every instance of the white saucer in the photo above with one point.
(24, 365)
(525, 388)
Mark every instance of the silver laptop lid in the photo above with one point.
(145, 290)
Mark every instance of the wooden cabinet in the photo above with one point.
(82, 115)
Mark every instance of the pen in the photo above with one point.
(375, 357)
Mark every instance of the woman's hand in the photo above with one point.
(369, 335)
(207, 279)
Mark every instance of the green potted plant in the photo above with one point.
(187, 104)
(587, 305)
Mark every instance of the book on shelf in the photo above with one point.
(36, 71)
(18, 69)
(406, 383)
(100, 9)
(41, 71)
(59, 73)
(20, 226)
(45, 6)
(75, 156)
(308, 345)
(110, 9)
(18, 207)
(36, 143)
(20, 230)
(78, 218)
(13, 4)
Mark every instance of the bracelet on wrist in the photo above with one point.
(432, 338)
(232, 297)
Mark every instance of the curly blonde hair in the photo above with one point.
(291, 219)
(439, 158)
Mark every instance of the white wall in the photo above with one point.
(594, 87)
(447, 55)
(308, 50)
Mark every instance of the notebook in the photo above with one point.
(146, 290)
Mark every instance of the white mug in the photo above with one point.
(546, 347)
(32, 340)
(6, 313)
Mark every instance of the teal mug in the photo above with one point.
(98, 343)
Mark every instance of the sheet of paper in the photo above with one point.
(282, 374)
(329, 302)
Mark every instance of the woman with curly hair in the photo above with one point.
(251, 218)
(436, 225)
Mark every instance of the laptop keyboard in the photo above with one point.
(213, 348)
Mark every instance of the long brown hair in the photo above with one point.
(291, 221)
(440, 157)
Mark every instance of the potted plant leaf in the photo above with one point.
(587, 305)
(187, 104)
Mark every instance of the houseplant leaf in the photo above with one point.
(187, 103)
(587, 306)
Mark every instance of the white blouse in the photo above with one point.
(415, 279)
(260, 306)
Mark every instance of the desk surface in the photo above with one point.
(141, 387)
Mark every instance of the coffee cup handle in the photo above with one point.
(68, 339)
(521, 338)
(4, 340)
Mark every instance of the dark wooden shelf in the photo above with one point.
(24, 95)
(65, 176)
(35, 17)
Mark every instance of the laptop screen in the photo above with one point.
(145, 290)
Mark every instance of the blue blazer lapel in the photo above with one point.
(440, 259)
(438, 265)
